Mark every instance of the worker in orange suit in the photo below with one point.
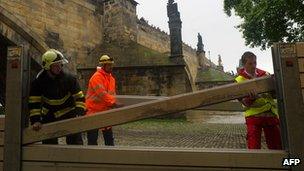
(101, 97)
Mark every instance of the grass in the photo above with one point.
(211, 74)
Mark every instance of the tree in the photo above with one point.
(268, 21)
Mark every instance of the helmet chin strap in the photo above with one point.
(54, 75)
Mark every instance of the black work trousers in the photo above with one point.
(107, 136)
(74, 139)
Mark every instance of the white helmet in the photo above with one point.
(52, 56)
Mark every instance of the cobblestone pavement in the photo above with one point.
(180, 133)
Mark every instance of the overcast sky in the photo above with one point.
(218, 30)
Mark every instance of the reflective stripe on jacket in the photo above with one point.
(101, 92)
(262, 104)
(55, 97)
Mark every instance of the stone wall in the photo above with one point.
(120, 21)
(146, 80)
(156, 39)
(80, 28)
(72, 26)
(152, 37)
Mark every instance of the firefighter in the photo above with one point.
(55, 95)
(261, 111)
(101, 97)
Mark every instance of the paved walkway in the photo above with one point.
(180, 133)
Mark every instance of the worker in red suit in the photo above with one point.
(261, 111)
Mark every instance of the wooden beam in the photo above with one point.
(2, 122)
(226, 106)
(162, 157)
(300, 49)
(38, 166)
(87, 158)
(290, 97)
(1, 138)
(301, 64)
(13, 108)
(231, 106)
(229, 158)
(302, 79)
(51, 166)
(128, 100)
(144, 110)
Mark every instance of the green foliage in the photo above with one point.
(212, 75)
(268, 21)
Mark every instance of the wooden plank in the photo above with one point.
(131, 100)
(300, 49)
(86, 158)
(2, 122)
(301, 64)
(128, 100)
(38, 166)
(227, 158)
(1, 154)
(232, 106)
(303, 94)
(1, 138)
(288, 79)
(302, 80)
(13, 109)
(144, 110)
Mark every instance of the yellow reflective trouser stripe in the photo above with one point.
(44, 111)
(96, 97)
(96, 88)
(58, 101)
(78, 95)
(63, 111)
(112, 93)
(35, 112)
(34, 99)
(80, 104)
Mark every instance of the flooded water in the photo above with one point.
(216, 117)
(232, 119)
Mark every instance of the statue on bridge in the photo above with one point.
(200, 45)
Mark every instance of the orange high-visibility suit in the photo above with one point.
(100, 97)
(101, 92)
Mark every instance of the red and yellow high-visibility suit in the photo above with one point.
(260, 114)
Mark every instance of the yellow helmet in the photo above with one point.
(52, 56)
(105, 59)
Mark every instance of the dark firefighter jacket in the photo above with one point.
(54, 98)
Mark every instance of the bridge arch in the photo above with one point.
(13, 32)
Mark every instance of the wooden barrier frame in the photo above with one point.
(16, 63)
(144, 110)
(147, 159)
(87, 158)
(291, 100)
